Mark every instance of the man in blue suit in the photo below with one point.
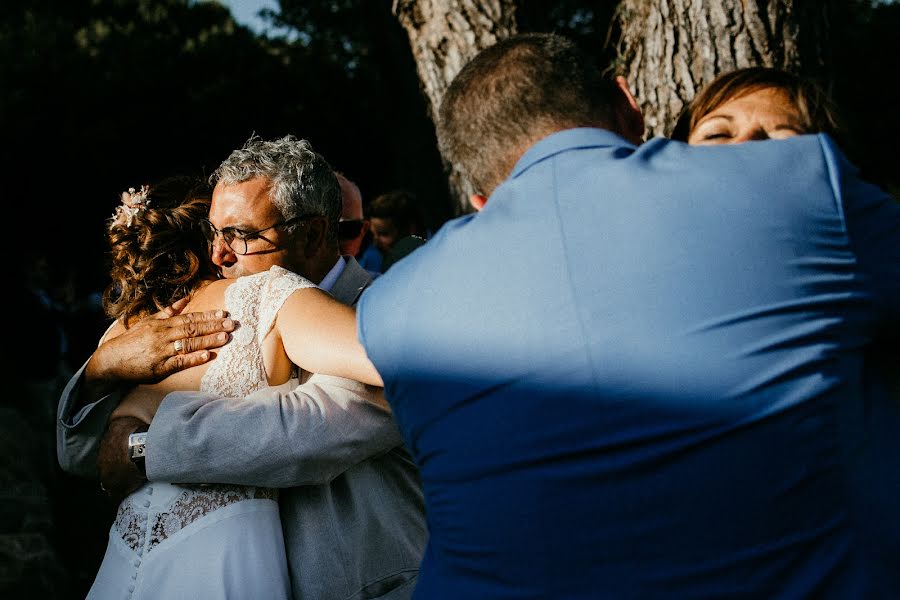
(642, 372)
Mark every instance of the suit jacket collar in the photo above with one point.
(568, 139)
(351, 283)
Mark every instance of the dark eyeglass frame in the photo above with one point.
(351, 229)
(232, 234)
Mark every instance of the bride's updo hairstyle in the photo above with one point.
(158, 253)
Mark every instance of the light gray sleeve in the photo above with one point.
(80, 427)
(305, 436)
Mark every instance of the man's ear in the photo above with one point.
(631, 120)
(477, 201)
(316, 229)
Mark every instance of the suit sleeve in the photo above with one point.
(80, 427)
(872, 221)
(306, 436)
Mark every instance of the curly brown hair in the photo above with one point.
(162, 255)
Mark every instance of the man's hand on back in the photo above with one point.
(155, 347)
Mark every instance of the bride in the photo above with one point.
(210, 540)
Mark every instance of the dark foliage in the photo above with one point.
(866, 64)
(100, 95)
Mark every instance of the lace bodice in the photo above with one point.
(158, 511)
(253, 301)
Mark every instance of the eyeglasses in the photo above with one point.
(349, 228)
(239, 241)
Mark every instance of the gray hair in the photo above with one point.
(302, 182)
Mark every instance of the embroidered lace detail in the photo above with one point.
(194, 502)
(197, 502)
(131, 525)
(253, 301)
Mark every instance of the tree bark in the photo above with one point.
(444, 35)
(668, 49)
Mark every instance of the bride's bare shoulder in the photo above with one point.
(209, 296)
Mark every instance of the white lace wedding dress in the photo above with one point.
(208, 541)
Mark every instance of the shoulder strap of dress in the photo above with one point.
(279, 284)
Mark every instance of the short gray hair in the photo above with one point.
(302, 182)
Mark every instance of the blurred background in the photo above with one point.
(100, 95)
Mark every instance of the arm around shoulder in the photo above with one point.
(80, 425)
(305, 436)
(319, 335)
(142, 353)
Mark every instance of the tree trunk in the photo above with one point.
(444, 35)
(668, 49)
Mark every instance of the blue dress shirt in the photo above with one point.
(644, 373)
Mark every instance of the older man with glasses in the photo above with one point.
(243, 242)
(352, 510)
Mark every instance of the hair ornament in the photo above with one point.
(133, 203)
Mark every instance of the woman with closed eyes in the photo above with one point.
(755, 103)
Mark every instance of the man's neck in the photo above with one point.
(316, 267)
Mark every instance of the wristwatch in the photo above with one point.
(137, 445)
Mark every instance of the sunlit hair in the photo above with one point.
(161, 255)
(815, 111)
(302, 182)
(523, 87)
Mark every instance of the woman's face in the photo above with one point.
(767, 113)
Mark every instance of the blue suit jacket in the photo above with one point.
(643, 373)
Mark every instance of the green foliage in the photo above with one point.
(585, 21)
(382, 137)
(105, 94)
(342, 32)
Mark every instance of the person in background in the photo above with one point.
(759, 103)
(639, 371)
(394, 216)
(401, 249)
(352, 227)
(756, 103)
